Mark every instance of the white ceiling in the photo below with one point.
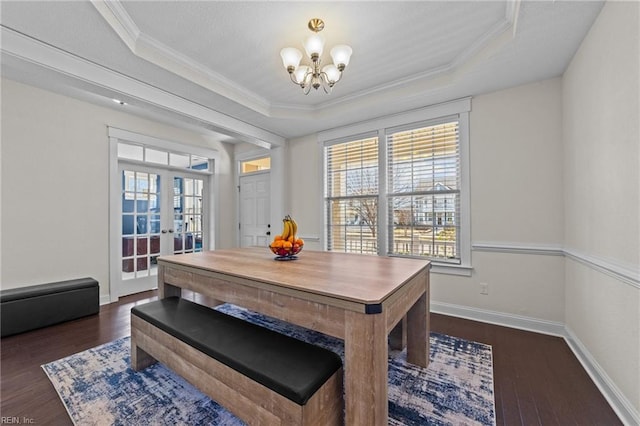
(215, 66)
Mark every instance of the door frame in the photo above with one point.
(167, 215)
(116, 136)
(239, 203)
(279, 204)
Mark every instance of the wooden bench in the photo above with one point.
(28, 308)
(261, 376)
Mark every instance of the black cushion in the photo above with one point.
(290, 367)
(28, 308)
(44, 289)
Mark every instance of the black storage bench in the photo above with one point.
(27, 308)
(263, 377)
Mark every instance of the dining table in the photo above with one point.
(371, 302)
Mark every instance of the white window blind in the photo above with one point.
(423, 193)
(351, 195)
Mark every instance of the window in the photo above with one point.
(423, 176)
(256, 165)
(402, 190)
(351, 191)
(161, 157)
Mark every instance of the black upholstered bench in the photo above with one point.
(262, 376)
(27, 308)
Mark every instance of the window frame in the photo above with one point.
(380, 128)
(326, 197)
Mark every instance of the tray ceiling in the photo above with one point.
(215, 66)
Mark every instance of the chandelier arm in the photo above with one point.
(326, 84)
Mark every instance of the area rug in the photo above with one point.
(98, 387)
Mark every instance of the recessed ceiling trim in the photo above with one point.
(148, 48)
(28, 49)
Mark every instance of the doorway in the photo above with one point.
(255, 209)
(162, 212)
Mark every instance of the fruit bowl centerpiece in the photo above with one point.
(286, 246)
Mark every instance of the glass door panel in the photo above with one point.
(187, 214)
(141, 212)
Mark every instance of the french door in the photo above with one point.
(162, 212)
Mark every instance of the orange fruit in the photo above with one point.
(290, 239)
(300, 242)
(287, 244)
(277, 238)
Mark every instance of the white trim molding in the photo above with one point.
(25, 48)
(520, 322)
(623, 408)
(525, 248)
(628, 274)
(624, 273)
(148, 48)
(620, 404)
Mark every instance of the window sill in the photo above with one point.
(461, 270)
(444, 268)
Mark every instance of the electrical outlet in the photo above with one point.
(484, 288)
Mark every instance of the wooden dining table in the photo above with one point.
(362, 299)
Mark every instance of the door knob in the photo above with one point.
(268, 232)
(164, 231)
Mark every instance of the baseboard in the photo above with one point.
(619, 403)
(105, 299)
(500, 318)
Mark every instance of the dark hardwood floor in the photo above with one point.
(537, 379)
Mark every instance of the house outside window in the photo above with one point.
(401, 190)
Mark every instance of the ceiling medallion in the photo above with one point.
(308, 76)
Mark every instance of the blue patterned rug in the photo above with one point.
(98, 388)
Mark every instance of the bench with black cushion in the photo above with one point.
(28, 308)
(261, 376)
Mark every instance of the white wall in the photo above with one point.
(55, 189)
(602, 209)
(516, 199)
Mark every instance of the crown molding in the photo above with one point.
(41, 54)
(150, 49)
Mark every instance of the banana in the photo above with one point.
(286, 230)
(294, 227)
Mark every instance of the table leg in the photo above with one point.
(418, 332)
(398, 336)
(166, 290)
(365, 369)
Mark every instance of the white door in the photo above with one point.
(162, 212)
(255, 229)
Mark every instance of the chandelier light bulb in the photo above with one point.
(332, 73)
(341, 55)
(300, 73)
(291, 58)
(314, 45)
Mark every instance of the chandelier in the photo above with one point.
(308, 76)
